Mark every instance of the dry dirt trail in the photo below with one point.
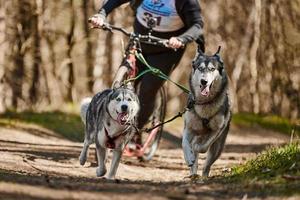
(38, 164)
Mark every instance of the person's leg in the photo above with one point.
(150, 84)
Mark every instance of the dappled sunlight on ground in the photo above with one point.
(38, 165)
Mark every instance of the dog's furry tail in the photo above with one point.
(84, 107)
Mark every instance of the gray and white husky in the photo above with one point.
(207, 121)
(110, 119)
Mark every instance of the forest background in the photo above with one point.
(49, 55)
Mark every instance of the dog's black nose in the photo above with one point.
(203, 82)
(124, 108)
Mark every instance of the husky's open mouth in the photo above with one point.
(122, 117)
(205, 89)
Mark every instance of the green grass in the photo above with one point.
(275, 171)
(271, 163)
(272, 122)
(65, 124)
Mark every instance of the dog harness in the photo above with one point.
(110, 143)
(205, 121)
(191, 102)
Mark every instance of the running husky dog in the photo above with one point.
(207, 121)
(110, 119)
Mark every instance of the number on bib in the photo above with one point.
(149, 15)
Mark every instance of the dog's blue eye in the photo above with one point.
(128, 99)
(118, 99)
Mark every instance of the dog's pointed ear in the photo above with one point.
(130, 86)
(218, 56)
(109, 95)
(218, 52)
(200, 52)
(221, 69)
(194, 66)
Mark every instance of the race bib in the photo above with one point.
(167, 18)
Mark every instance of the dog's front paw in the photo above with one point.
(82, 159)
(205, 172)
(192, 177)
(195, 178)
(100, 171)
(111, 177)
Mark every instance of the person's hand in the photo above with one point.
(174, 43)
(97, 20)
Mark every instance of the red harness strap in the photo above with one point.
(110, 143)
(132, 62)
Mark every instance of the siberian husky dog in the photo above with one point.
(208, 119)
(110, 121)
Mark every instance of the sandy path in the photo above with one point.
(37, 164)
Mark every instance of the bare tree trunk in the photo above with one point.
(70, 65)
(2, 56)
(253, 58)
(33, 91)
(103, 62)
(89, 49)
(17, 34)
(109, 52)
(241, 59)
(50, 36)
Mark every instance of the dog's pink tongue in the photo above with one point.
(122, 118)
(205, 91)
